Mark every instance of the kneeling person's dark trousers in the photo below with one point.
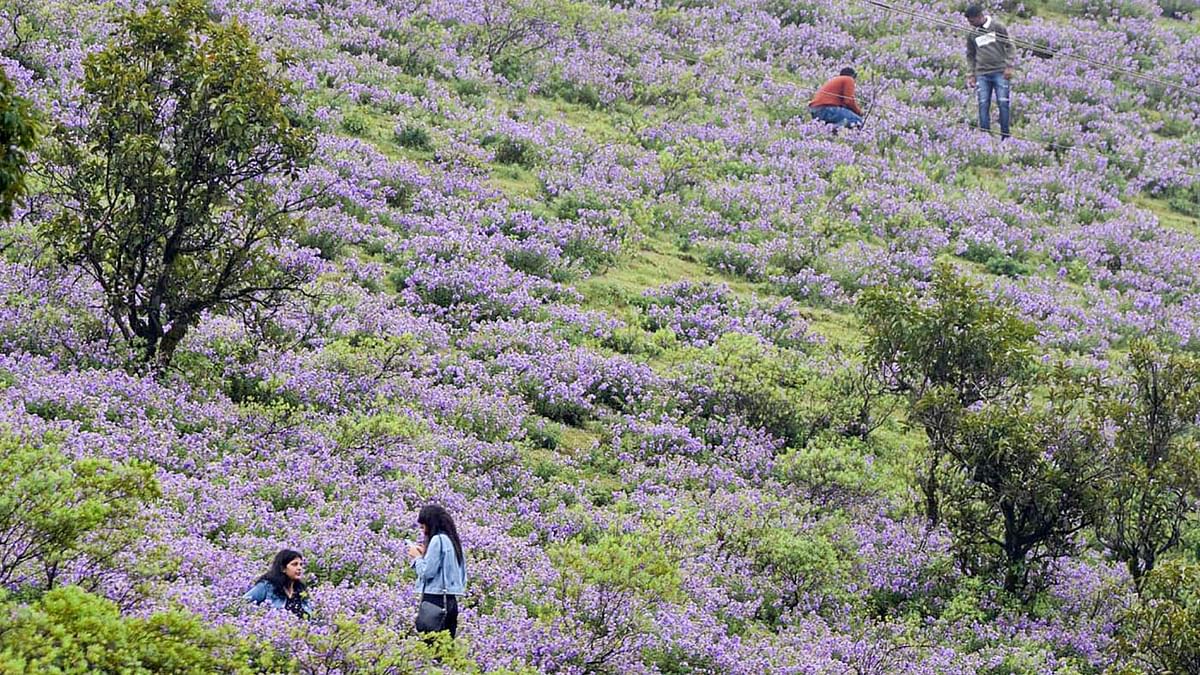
(451, 610)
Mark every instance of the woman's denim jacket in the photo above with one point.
(265, 591)
(430, 576)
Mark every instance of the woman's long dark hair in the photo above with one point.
(278, 577)
(438, 521)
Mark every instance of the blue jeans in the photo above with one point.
(832, 114)
(984, 86)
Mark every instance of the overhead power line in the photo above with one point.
(1034, 47)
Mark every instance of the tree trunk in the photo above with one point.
(149, 332)
(171, 340)
(930, 487)
(1014, 550)
(1013, 575)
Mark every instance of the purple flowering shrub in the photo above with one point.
(505, 313)
(701, 313)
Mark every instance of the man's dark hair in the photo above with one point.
(848, 71)
(973, 11)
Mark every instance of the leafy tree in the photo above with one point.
(18, 135)
(52, 507)
(1019, 480)
(1155, 478)
(1020, 486)
(1161, 632)
(952, 346)
(168, 189)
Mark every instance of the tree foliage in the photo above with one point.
(54, 508)
(1161, 632)
(18, 136)
(951, 337)
(169, 188)
(1020, 487)
(1155, 481)
(71, 631)
(1014, 480)
(944, 351)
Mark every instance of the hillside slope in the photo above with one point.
(587, 276)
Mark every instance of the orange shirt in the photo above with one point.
(838, 91)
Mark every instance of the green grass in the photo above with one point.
(657, 261)
(1168, 217)
(515, 181)
(840, 329)
(597, 125)
(985, 178)
(573, 440)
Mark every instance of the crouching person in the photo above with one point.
(281, 586)
(835, 102)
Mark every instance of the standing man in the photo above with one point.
(835, 103)
(990, 54)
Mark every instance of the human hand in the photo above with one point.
(971, 81)
(1008, 73)
(415, 550)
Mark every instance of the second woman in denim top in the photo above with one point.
(440, 563)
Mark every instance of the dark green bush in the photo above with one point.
(1179, 9)
(543, 434)
(413, 137)
(514, 151)
(355, 124)
(1003, 265)
(327, 243)
(1186, 201)
(1175, 127)
(573, 92)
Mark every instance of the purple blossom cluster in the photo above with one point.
(450, 348)
(699, 313)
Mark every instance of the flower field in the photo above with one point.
(588, 274)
